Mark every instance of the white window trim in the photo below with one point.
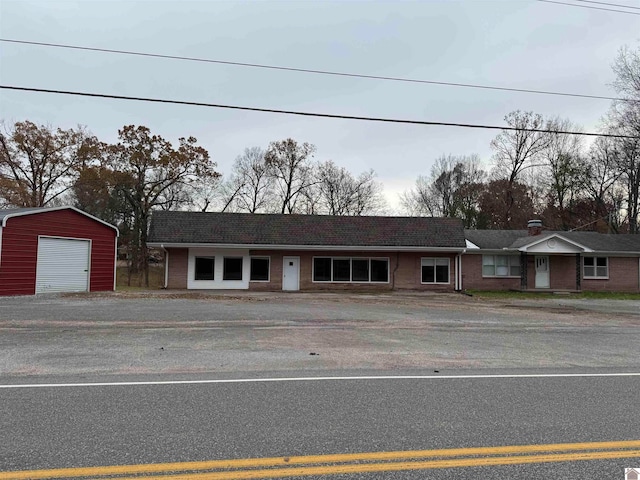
(595, 267)
(494, 265)
(435, 282)
(260, 257)
(212, 257)
(233, 257)
(313, 270)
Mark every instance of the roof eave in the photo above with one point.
(255, 246)
(53, 209)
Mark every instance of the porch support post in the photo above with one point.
(523, 270)
(578, 276)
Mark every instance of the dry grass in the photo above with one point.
(156, 278)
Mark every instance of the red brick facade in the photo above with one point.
(623, 275)
(404, 270)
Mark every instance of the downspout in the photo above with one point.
(393, 282)
(166, 266)
(459, 270)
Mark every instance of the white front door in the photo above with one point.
(542, 271)
(290, 273)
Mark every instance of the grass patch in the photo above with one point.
(156, 279)
(529, 295)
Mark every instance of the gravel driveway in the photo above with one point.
(242, 332)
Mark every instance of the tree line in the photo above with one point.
(123, 183)
(560, 178)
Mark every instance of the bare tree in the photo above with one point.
(250, 187)
(516, 151)
(340, 193)
(601, 181)
(624, 118)
(38, 163)
(452, 190)
(289, 164)
(565, 170)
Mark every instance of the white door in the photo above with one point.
(542, 271)
(291, 273)
(63, 265)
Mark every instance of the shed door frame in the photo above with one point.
(74, 239)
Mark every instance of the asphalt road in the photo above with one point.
(80, 426)
(51, 344)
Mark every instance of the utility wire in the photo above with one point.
(587, 6)
(306, 70)
(309, 114)
(608, 4)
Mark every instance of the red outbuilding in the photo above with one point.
(55, 249)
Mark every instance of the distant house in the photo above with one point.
(307, 252)
(55, 249)
(539, 260)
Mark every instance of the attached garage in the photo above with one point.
(57, 249)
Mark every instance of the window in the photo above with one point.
(596, 267)
(341, 270)
(232, 268)
(361, 270)
(259, 269)
(379, 270)
(321, 269)
(204, 268)
(500, 266)
(435, 270)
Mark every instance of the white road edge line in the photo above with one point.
(318, 379)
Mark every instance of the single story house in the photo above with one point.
(321, 252)
(55, 249)
(307, 252)
(539, 260)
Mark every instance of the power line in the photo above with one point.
(609, 4)
(587, 6)
(306, 70)
(308, 114)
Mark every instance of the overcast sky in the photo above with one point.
(524, 44)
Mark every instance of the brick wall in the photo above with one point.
(275, 271)
(623, 277)
(404, 271)
(562, 272)
(178, 265)
(472, 276)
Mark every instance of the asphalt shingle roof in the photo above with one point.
(304, 230)
(498, 239)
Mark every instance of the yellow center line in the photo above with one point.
(394, 467)
(337, 458)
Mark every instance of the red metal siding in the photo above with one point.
(18, 258)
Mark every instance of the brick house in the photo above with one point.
(307, 252)
(538, 260)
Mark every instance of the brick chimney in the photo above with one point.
(534, 227)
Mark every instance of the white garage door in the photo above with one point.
(63, 265)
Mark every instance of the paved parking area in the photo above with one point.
(242, 332)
